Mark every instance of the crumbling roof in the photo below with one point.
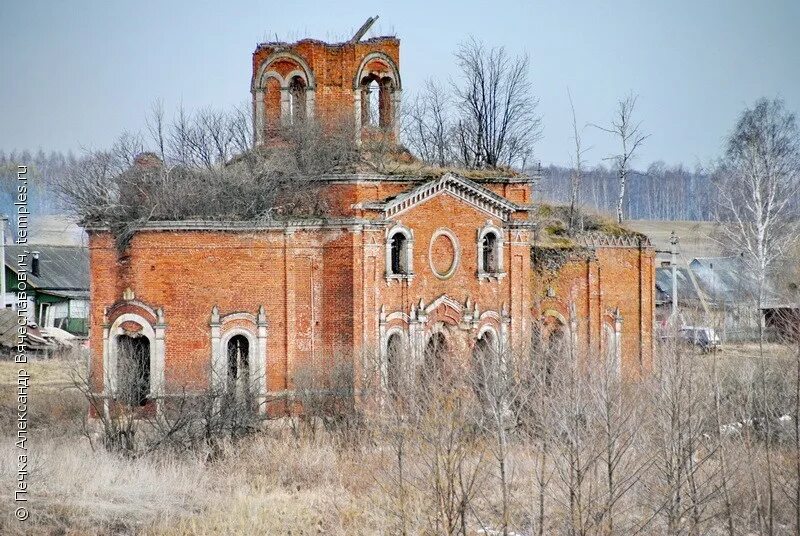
(60, 267)
(8, 332)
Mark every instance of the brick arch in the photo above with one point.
(130, 317)
(130, 306)
(392, 70)
(254, 328)
(446, 313)
(303, 69)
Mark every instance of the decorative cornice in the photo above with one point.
(248, 226)
(602, 240)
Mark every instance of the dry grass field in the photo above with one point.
(289, 481)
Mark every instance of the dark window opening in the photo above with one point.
(486, 364)
(435, 351)
(238, 361)
(399, 264)
(556, 346)
(297, 100)
(394, 354)
(133, 365)
(491, 255)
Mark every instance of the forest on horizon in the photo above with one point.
(660, 192)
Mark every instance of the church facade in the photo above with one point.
(397, 262)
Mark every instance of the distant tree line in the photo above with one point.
(660, 193)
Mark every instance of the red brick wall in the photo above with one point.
(322, 289)
(614, 278)
(334, 66)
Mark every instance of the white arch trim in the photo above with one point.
(490, 227)
(495, 336)
(392, 332)
(221, 367)
(259, 81)
(256, 334)
(392, 71)
(111, 357)
(409, 253)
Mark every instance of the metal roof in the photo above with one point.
(60, 267)
(686, 289)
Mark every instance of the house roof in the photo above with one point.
(64, 268)
(723, 278)
(455, 185)
(686, 289)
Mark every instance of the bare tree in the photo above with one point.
(758, 183)
(576, 177)
(497, 106)
(502, 382)
(204, 175)
(156, 126)
(630, 136)
(682, 484)
(617, 413)
(427, 125)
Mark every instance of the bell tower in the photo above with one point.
(355, 83)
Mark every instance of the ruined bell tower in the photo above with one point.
(355, 83)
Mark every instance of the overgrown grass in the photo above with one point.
(285, 481)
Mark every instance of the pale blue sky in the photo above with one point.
(75, 74)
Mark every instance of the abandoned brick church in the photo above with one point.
(398, 261)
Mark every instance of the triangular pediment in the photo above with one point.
(454, 185)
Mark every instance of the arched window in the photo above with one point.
(490, 252)
(398, 245)
(133, 369)
(238, 362)
(297, 100)
(394, 356)
(376, 101)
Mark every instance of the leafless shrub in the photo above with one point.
(204, 168)
(326, 393)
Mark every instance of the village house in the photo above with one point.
(56, 284)
(399, 267)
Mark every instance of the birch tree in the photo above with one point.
(576, 177)
(758, 182)
(630, 135)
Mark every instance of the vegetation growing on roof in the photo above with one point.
(553, 220)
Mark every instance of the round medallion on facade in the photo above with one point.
(444, 253)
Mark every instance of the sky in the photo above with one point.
(74, 75)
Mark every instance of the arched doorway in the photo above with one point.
(436, 350)
(133, 368)
(486, 363)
